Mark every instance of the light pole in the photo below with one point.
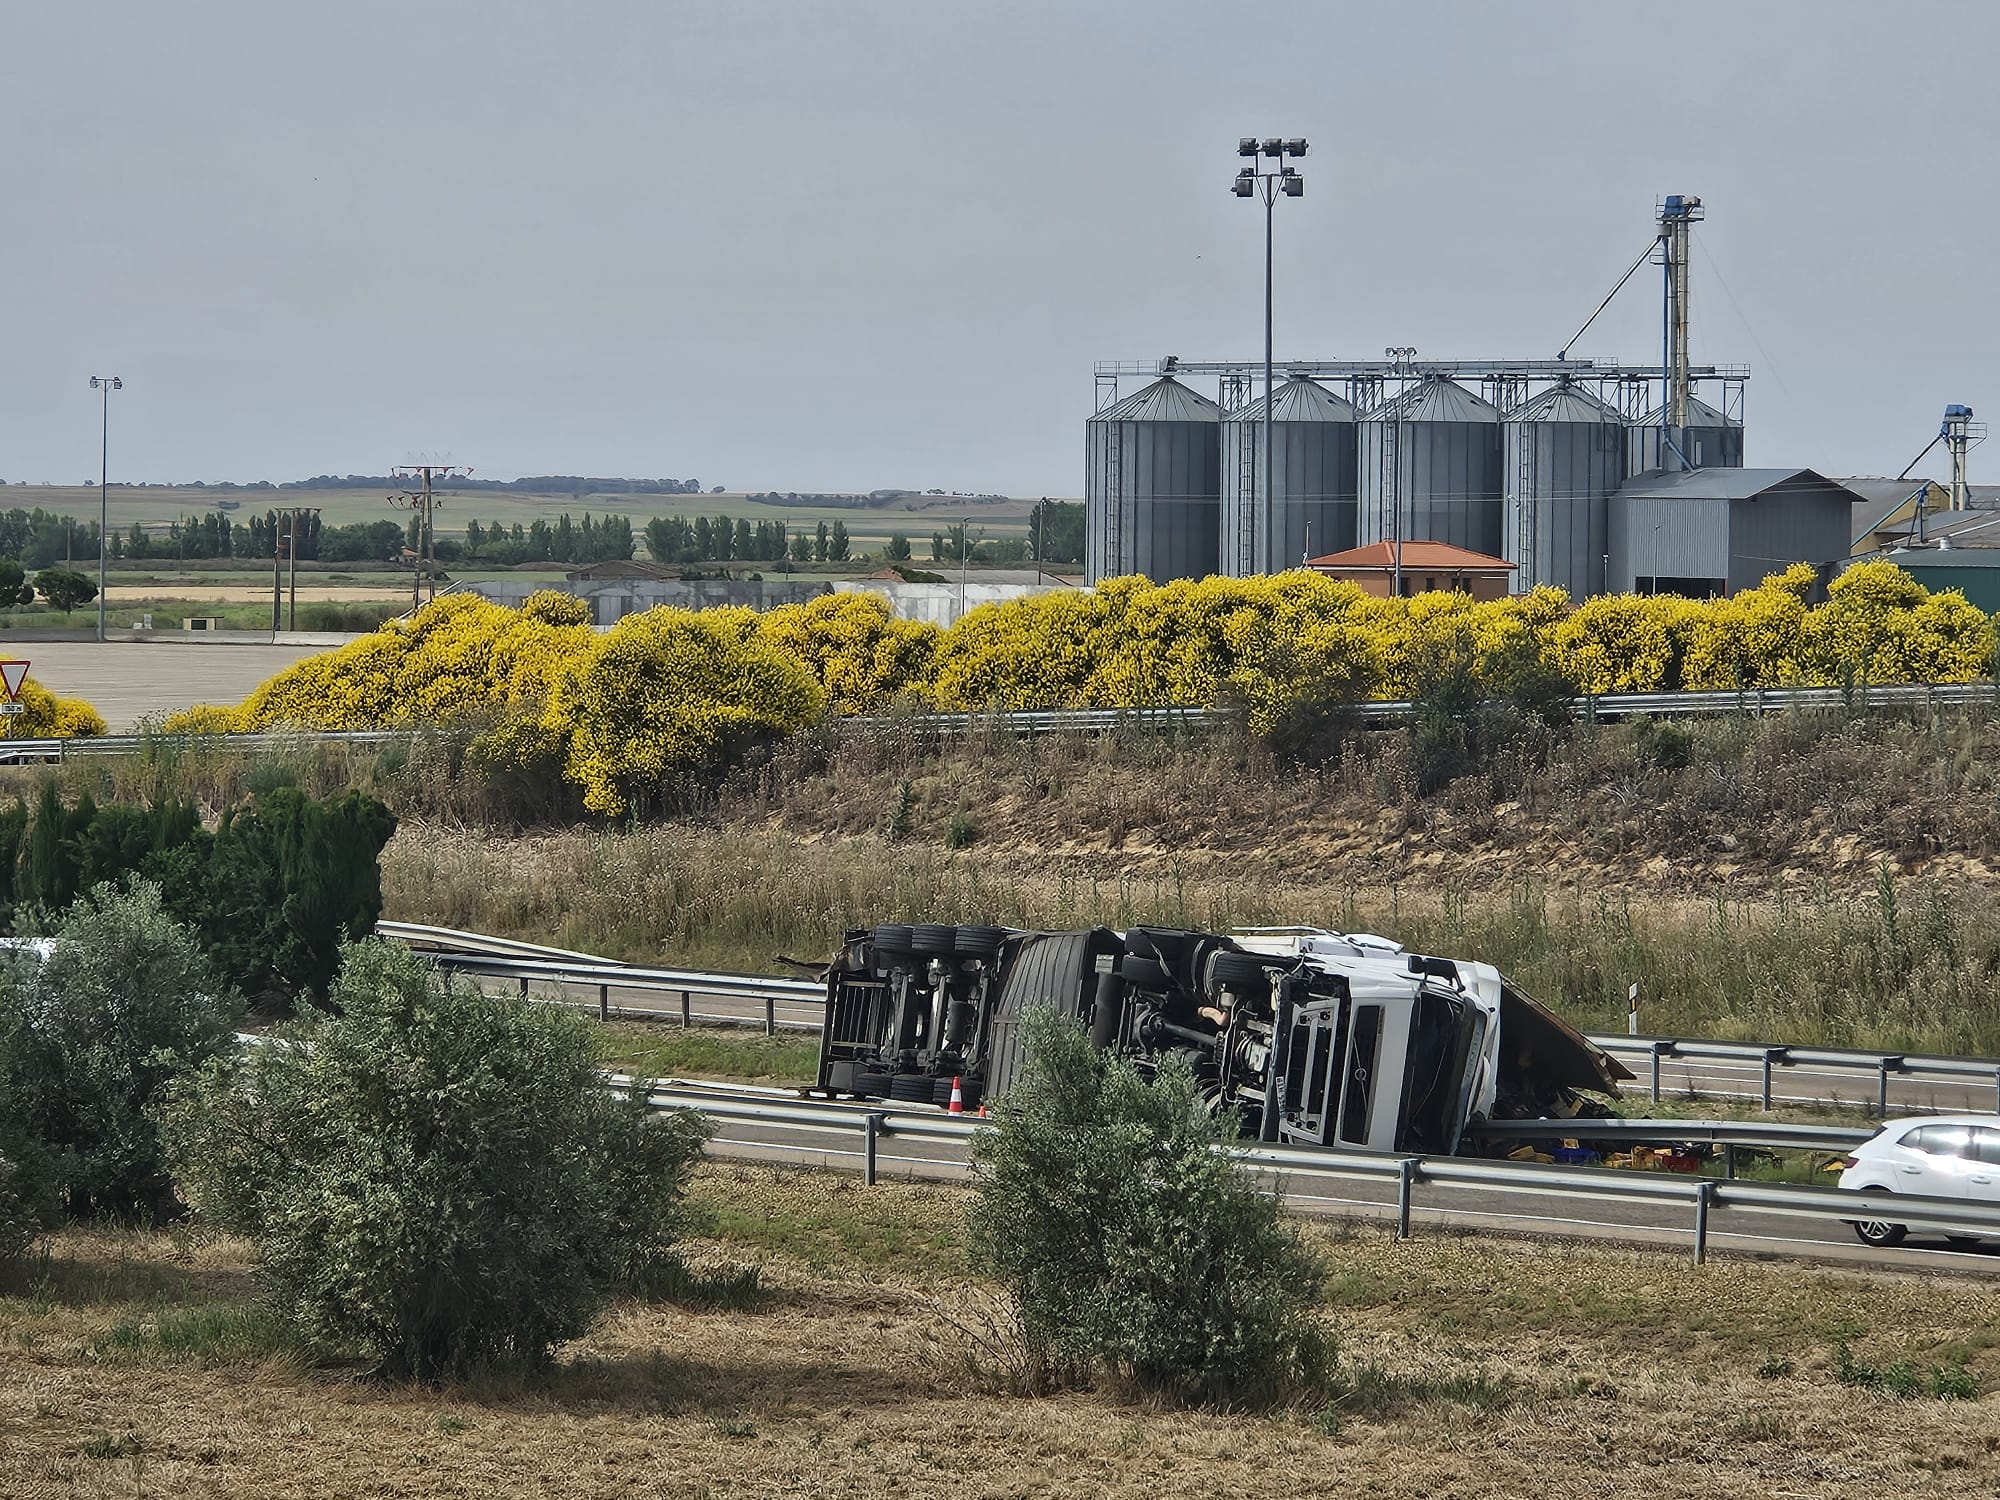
(1279, 180)
(104, 387)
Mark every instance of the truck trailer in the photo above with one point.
(1314, 1037)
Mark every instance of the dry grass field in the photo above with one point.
(137, 1365)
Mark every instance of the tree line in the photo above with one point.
(675, 539)
(41, 539)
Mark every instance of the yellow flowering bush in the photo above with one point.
(205, 718)
(637, 714)
(45, 716)
(858, 651)
(667, 695)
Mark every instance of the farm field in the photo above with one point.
(140, 1364)
(156, 506)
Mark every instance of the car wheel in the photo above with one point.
(1879, 1231)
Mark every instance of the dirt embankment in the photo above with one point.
(1800, 803)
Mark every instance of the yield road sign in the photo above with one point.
(12, 675)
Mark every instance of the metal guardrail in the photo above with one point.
(21, 752)
(1159, 718)
(868, 1127)
(1772, 1057)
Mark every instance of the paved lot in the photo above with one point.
(127, 680)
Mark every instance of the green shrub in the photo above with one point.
(1132, 1245)
(124, 1002)
(438, 1176)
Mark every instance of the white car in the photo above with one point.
(1939, 1156)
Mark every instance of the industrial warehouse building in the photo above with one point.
(1706, 532)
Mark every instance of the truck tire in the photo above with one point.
(979, 942)
(913, 1088)
(892, 940)
(1145, 973)
(871, 1083)
(1238, 971)
(933, 940)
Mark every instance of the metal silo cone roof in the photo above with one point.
(1435, 400)
(1566, 403)
(1700, 414)
(1299, 400)
(1165, 400)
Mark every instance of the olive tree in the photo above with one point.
(436, 1175)
(124, 1001)
(1130, 1242)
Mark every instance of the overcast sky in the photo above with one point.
(848, 245)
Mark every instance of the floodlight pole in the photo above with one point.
(105, 386)
(1270, 185)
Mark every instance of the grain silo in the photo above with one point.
(1152, 484)
(1313, 441)
(1709, 441)
(1432, 456)
(1563, 453)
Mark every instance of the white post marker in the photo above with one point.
(12, 675)
(1632, 1010)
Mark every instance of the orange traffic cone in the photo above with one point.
(957, 1097)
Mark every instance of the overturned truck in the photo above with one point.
(1313, 1037)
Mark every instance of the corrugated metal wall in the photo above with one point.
(1562, 459)
(1153, 494)
(1791, 522)
(1313, 444)
(1447, 480)
(1710, 441)
(1678, 538)
(1152, 486)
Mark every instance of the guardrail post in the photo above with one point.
(604, 1002)
(1729, 1160)
(687, 1018)
(770, 1015)
(1771, 1055)
(871, 1123)
(524, 986)
(1882, 1069)
(1406, 1178)
(1704, 1192)
(1996, 1090)
(1660, 1049)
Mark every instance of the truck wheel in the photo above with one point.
(892, 940)
(912, 1088)
(932, 939)
(1238, 971)
(870, 1083)
(979, 942)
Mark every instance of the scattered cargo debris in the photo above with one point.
(1312, 1037)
